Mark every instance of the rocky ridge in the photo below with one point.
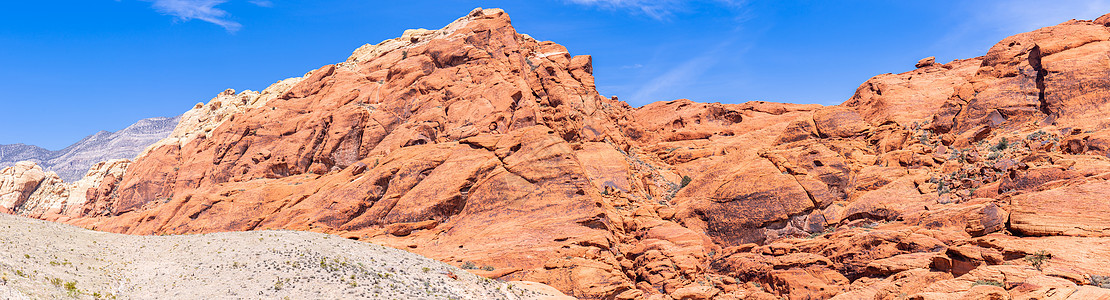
(73, 162)
(479, 146)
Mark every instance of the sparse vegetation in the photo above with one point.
(993, 156)
(988, 282)
(1036, 135)
(1001, 145)
(1100, 281)
(924, 138)
(1038, 258)
(827, 230)
(469, 265)
(71, 288)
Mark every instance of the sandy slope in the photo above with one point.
(47, 260)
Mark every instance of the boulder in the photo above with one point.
(1080, 210)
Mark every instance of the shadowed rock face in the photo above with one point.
(475, 143)
(74, 161)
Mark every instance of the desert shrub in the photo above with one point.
(71, 288)
(1038, 259)
(1002, 145)
(827, 230)
(469, 265)
(1100, 281)
(956, 155)
(685, 181)
(988, 282)
(1035, 135)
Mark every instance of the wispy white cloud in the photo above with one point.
(680, 75)
(683, 75)
(262, 3)
(980, 24)
(658, 9)
(1026, 15)
(204, 10)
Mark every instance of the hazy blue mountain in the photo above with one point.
(74, 161)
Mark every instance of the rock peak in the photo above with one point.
(414, 37)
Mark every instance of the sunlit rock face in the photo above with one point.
(477, 145)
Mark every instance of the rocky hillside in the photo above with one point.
(42, 260)
(476, 145)
(74, 161)
(13, 153)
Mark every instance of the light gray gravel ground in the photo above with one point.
(44, 260)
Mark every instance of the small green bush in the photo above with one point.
(1035, 135)
(71, 288)
(1002, 145)
(1038, 259)
(988, 282)
(469, 265)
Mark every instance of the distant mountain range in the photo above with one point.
(74, 161)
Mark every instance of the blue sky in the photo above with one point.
(71, 68)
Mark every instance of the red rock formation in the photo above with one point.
(978, 178)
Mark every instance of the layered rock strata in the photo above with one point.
(479, 146)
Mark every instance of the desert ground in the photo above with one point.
(45, 260)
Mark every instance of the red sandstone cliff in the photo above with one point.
(979, 178)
